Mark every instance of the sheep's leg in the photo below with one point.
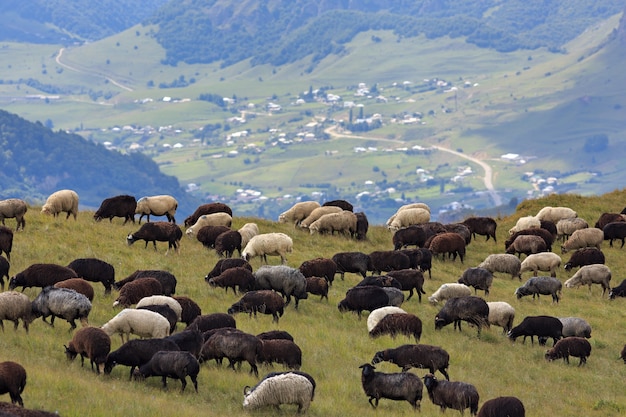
(164, 379)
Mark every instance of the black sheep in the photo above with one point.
(353, 262)
(12, 381)
(224, 264)
(134, 291)
(549, 226)
(502, 406)
(234, 278)
(190, 309)
(226, 243)
(615, 230)
(384, 261)
(137, 352)
(260, 301)
(6, 241)
(452, 394)
(190, 340)
(41, 275)
(432, 228)
(157, 232)
(366, 298)
(585, 256)
(208, 208)
(213, 321)
(460, 229)
(95, 270)
(164, 310)
(409, 236)
(543, 327)
(425, 262)
(479, 278)
(4, 271)
(403, 386)
(275, 334)
(398, 323)
(619, 291)
(485, 226)
(579, 347)
(319, 267)
(119, 206)
(208, 234)
(342, 204)
(362, 226)
(90, 342)
(167, 279)
(380, 281)
(235, 345)
(317, 286)
(172, 364)
(283, 351)
(471, 309)
(409, 279)
(433, 358)
(540, 285)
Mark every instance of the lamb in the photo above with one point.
(208, 208)
(288, 388)
(275, 244)
(384, 261)
(543, 327)
(6, 241)
(234, 345)
(79, 285)
(137, 352)
(247, 232)
(343, 222)
(540, 285)
(619, 291)
(554, 214)
(450, 290)
(213, 321)
(233, 278)
(343, 204)
(433, 358)
(352, 262)
(208, 234)
(584, 238)
(362, 226)
(377, 314)
(119, 206)
(409, 236)
(172, 364)
(135, 290)
(544, 261)
(606, 218)
(565, 227)
(319, 267)
(94, 270)
(578, 347)
(403, 386)
(452, 394)
(451, 243)
(502, 406)
(157, 205)
(527, 222)
(286, 280)
(367, 298)
(527, 244)
(398, 323)
(317, 213)
(409, 279)
(157, 231)
(90, 342)
(547, 237)
(485, 226)
(226, 243)
(4, 271)
(41, 275)
(584, 256)
(167, 279)
(13, 208)
(64, 303)
(13, 381)
(15, 306)
(471, 309)
(505, 263)
(162, 300)
(501, 314)
(215, 219)
(224, 264)
(61, 201)
(298, 212)
(615, 230)
(408, 217)
(261, 301)
(591, 274)
(317, 286)
(479, 278)
(143, 323)
(282, 351)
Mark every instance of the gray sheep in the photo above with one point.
(398, 323)
(585, 256)
(157, 232)
(95, 270)
(12, 381)
(352, 262)
(64, 303)
(234, 345)
(433, 358)
(589, 275)
(502, 406)
(540, 285)
(452, 394)
(41, 275)
(367, 298)
(504, 263)
(283, 351)
(403, 386)
(565, 227)
(172, 364)
(14, 208)
(478, 278)
(578, 347)
(261, 301)
(286, 280)
(90, 342)
(234, 278)
(137, 352)
(15, 306)
(573, 326)
(119, 206)
(471, 309)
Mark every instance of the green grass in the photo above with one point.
(333, 344)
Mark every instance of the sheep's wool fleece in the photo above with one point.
(281, 389)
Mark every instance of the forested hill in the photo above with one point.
(35, 161)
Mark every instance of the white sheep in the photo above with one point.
(143, 323)
(14, 208)
(526, 222)
(409, 217)
(247, 232)
(162, 300)
(554, 214)
(317, 213)
(288, 388)
(377, 315)
(591, 274)
(298, 212)
(407, 206)
(566, 227)
(501, 314)
(450, 290)
(584, 238)
(503, 262)
(213, 219)
(343, 222)
(543, 261)
(275, 244)
(15, 306)
(61, 201)
(157, 205)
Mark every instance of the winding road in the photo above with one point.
(69, 67)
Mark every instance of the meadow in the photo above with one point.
(334, 345)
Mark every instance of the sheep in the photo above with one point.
(143, 323)
(433, 358)
(233, 278)
(12, 381)
(94, 270)
(274, 244)
(12, 410)
(460, 229)
(261, 301)
(622, 354)
(5, 266)
(527, 244)
(79, 285)
(547, 237)
(247, 232)
(208, 208)
(6, 241)
(15, 306)
(157, 205)
(190, 340)
(387, 260)
(615, 230)
(215, 219)
(367, 298)
(317, 213)
(343, 222)
(485, 226)
(275, 334)
(362, 226)
(13, 208)
(540, 285)
(403, 386)
(606, 218)
(554, 214)
(502, 406)
(396, 297)
(544, 261)
(61, 201)
(172, 364)
(119, 206)
(479, 278)
(224, 264)
(90, 342)
(584, 256)
(570, 346)
(298, 212)
(161, 300)
(408, 217)
(398, 323)
(425, 260)
(575, 326)
(137, 352)
(41, 275)
(450, 290)
(343, 204)
(167, 279)
(234, 345)
(226, 243)
(409, 279)
(433, 228)
(213, 321)
(377, 314)
(285, 352)
(549, 227)
(317, 286)
(619, 291)
(452, 394)
(64, 303)
(565, 227)
(286, 280)
(207, 235)
(501, 314)
(409, 236)
(471, 309)
(505, 263)
(135, 290)
(591, 274)
(288, 388)
(380, 281)
(352, 262)
(157, 231)
(319, 267)
(583, 238)
(451, 243)
(164, 310)
(543, 327)
(527, 222)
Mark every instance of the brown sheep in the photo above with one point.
(578, 347)
(135, 290)
(317, 286)
(449, 243)
(527, 244)
(12, 381)
(41, 275)
(90, 342)
(79, 285)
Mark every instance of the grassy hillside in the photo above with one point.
(333, 345)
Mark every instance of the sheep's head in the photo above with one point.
(130, 239)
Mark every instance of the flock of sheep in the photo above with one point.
(67, 294)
